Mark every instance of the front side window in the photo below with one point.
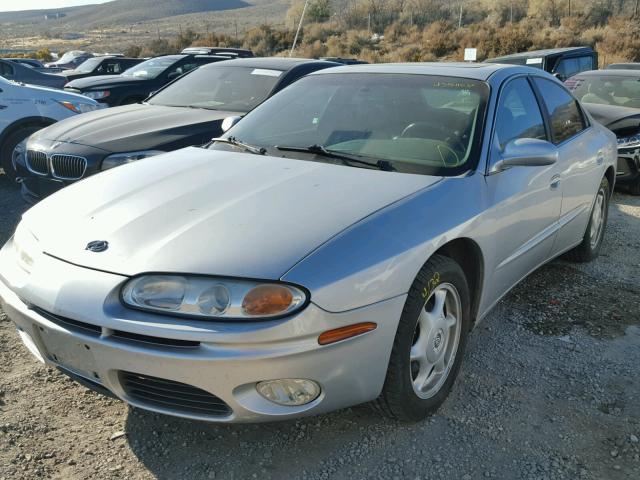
(89, 65)
(233, 89)
(564, 113)
(518, 114)
(416, 123)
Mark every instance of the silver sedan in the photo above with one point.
(334, 247)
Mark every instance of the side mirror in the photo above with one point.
(527, 152)
(229, 122)
(173, 75)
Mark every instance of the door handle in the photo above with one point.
(555, 182)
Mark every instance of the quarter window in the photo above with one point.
(6, 70)
(564, 113)
(518, 113)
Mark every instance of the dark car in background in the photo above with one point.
(187, 112)
(100, 66)
(613, 99)
(561, 62)
(139, 81)
(29, 62)
(21, 73)
(623, 66)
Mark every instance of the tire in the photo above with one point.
(593, 236)
(10, 144)
(401, 396)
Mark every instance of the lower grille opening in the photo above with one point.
(168, 394)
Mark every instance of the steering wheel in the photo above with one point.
(430, 129)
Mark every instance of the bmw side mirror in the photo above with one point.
(229, 122)
(527, 152)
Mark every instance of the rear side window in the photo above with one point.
(564, 114)
(518, 113)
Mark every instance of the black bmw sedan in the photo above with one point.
(136, 83)
(187, 112)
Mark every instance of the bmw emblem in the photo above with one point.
(97, 246)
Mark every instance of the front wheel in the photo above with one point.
(14, 149)
(429, 344)
(593, 236)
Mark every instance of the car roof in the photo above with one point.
(545, 53)
(275, 63)
(614, 72)
(476, 71)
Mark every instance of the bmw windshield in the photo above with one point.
(401, 122)
(152, 68)
(236, 89)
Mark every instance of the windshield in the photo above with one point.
(89, 66)
(67, 57)
(416, 123)
(152, 68)
(622, 91)
(235, 89)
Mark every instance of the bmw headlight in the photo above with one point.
(118, 159)
(78, 107)
(97, 94)
(629, 142)
(211, 297)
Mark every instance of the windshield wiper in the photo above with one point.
(237, 143)
(346, 158)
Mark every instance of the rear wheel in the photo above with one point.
(429, 344)
(593, 236)
(14, 149)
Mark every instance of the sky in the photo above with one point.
(13, 5)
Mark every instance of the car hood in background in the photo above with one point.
(104, 81)
(211, 212)
(614, 117)
(134, 127)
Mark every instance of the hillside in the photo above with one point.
(121, 12)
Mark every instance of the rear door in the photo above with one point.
(526, 200)
(581, 159)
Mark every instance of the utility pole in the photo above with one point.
(295, 39)
(569, 8)
(369, 23)
(460, 16)
(511, 13)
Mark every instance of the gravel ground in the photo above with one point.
(549, 390)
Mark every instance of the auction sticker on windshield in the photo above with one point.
(265, 72)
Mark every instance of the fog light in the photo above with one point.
(289, 391)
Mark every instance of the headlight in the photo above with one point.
(26, 247)
(78, 107)
(212, 298)
(629, 142)
(118, 159)
(97, 94)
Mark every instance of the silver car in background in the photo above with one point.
(334, 247)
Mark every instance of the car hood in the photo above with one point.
(614, 117)
(211, 212)
(103, 81)
(131, 127)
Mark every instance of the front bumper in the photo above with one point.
(628, 168)
(77, 324)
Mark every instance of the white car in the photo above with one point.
(25, 109)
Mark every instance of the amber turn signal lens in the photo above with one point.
(342, 333)
(267, 300)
